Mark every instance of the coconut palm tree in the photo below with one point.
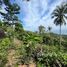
(59, 17)
(49, 28)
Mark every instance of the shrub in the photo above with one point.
(3, 60)
(4, 46)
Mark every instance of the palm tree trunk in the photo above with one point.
(60, 36)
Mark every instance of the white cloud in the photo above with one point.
(38, 12)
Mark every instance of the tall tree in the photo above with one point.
(18, 27)
(11, 11)
(59, 17)
(41, 29)
(10, 17)
(49, 28)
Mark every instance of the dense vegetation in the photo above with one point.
(20, 47)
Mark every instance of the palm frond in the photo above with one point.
(54, 15)
(59, 15)
(64, 22)
(56, 20)
(65, 17)
(3, 14)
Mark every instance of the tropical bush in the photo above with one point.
(42, 55)
(4, 46)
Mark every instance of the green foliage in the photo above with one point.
(4, 46)
(18, 27)
(43, 55)
(24, 54)
(26, 37)
(51, 57)
(3, 61)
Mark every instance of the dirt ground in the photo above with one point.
(30, 65)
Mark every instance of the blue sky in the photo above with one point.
(38, 12)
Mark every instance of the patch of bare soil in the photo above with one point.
(30, 65)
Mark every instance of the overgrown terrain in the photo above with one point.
(20, 47)
(31, 47)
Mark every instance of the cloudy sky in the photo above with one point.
(38, 12)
